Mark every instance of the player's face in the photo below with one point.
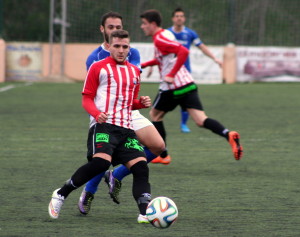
(119, 49)
(110, 25)
(147, 27)
(178, 19)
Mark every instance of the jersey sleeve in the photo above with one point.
(167, 46)
(89, 91)
(196, 39)
(90, 60)
(135, 58)
(91, 81)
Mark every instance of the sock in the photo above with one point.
(141, 189)
(216, 127)
(161, 129)
(184, 116)
(149, 155)
(164, 154)
(84, 174)
(120, 172)
(92, 185)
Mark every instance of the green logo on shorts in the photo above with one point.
(102, 137)
(133, 143)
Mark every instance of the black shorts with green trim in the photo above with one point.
(186, 96)
(120, 143)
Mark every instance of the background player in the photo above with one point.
(187, 37)
(177, 86)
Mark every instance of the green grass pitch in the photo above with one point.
(43, 131)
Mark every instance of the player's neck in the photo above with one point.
(106, 45)
(156, 30)
(178, 28)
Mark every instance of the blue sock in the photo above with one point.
(92, 185)
(184, 116)
(149, 155)
(120, 172)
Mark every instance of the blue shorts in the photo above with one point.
(118, 142)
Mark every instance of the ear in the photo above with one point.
(101, 28)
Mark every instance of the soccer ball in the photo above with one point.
(162, 212)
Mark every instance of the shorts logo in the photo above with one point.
(102, 137)
(134, 144)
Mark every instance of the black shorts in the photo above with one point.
(118, 142)
(187, 97)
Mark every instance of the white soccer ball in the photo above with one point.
(162, 212)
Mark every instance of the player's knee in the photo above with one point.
(100, 164)
(199, 123)
(140, 170)
(158, 147)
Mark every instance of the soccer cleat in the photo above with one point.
(55, 204)
(234, 141)
(85, 202)
(114, 186)
(165, 161)
(184, 128)
(142, 219)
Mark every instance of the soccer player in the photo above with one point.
(187, 37)
(177, 86)
(144, 129)
(109, 94)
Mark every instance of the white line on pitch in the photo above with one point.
(9, 87)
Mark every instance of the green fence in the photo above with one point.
(251, 22)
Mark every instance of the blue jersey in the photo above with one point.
(186, 37)
(101, 53)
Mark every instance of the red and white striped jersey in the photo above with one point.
(165, 52)
(113, 87)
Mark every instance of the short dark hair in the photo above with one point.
(122, 34)
(178, 9)
(112, 15)
(152, 15)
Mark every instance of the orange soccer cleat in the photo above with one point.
(164, 161)
(234, 141)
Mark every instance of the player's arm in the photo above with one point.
(182, 55)
(135, 58)
(152, 62)
(88, 95)
(89, 61)
(167, 46)
(208, 53)
(142, 102)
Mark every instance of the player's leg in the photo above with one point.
(141, 189)
(163, 103)
(98, 164)
(87, 194)
(133, 156)
(153, 146)
(157, 120)
(195, 110)
(184, 118)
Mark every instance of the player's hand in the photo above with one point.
(149, 72)
(146, 101)
(102, 117)
(169, 80)
(219, 62)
